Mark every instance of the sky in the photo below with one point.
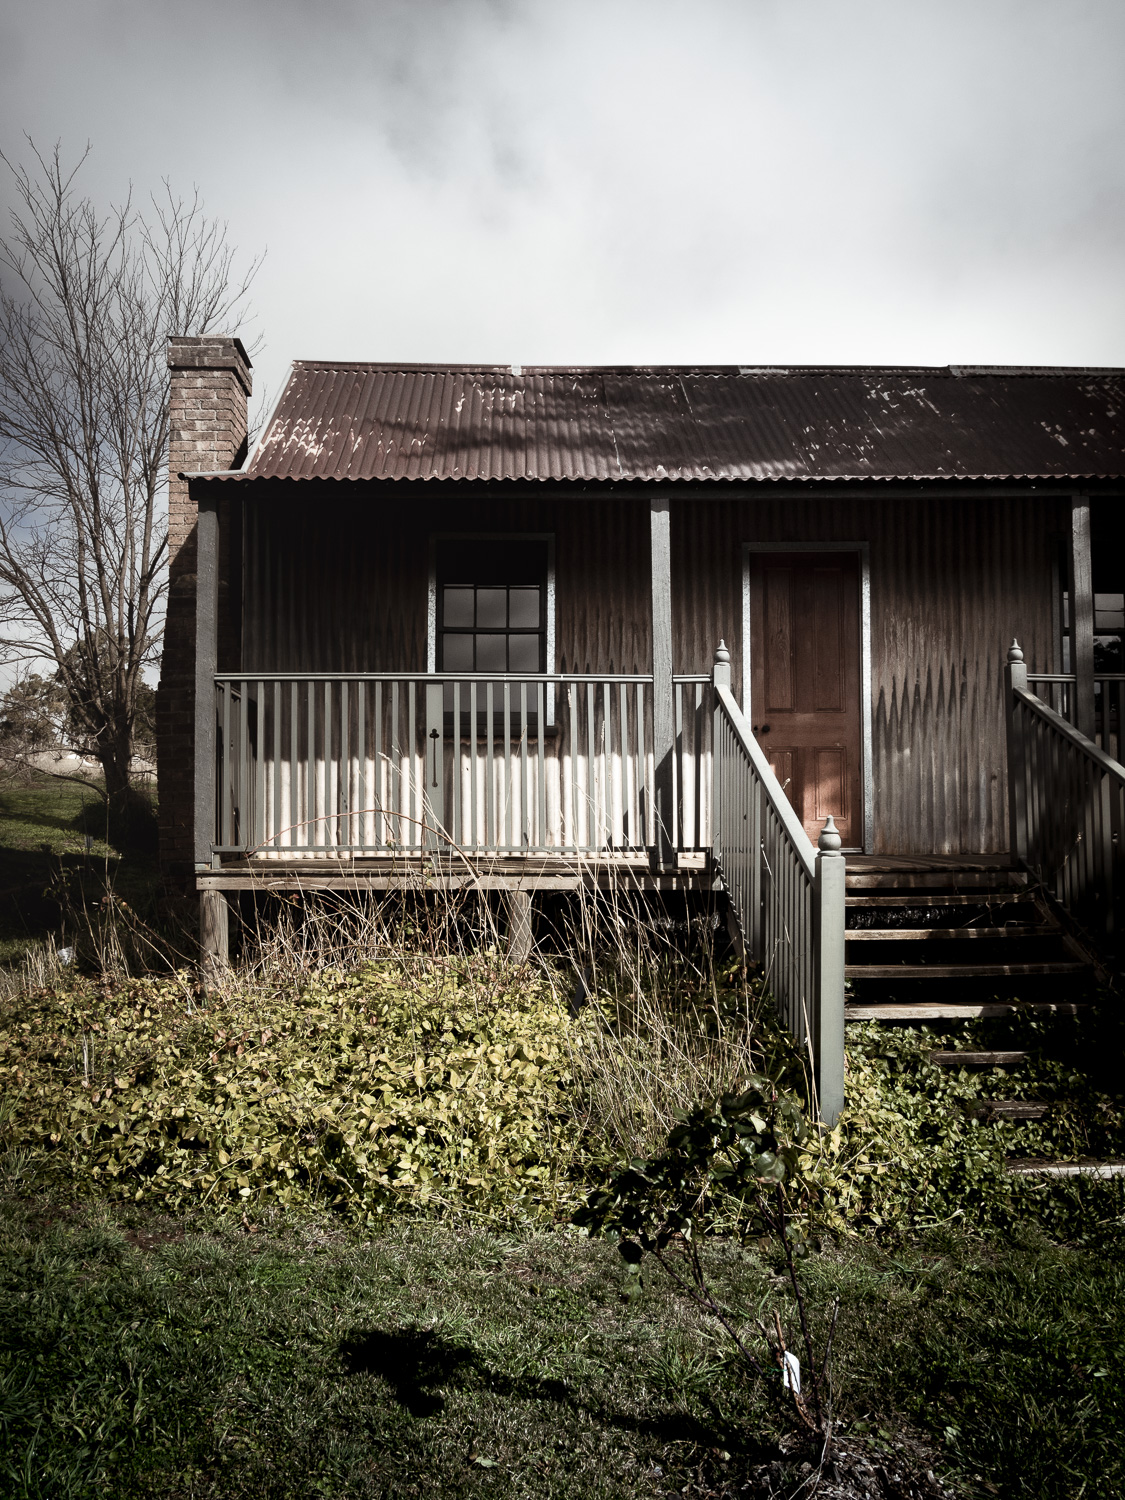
(630, 181)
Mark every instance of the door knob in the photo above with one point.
(760, 728)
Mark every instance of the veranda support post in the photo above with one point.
(520, 934)
(214, 937)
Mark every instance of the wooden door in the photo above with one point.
(805, 683)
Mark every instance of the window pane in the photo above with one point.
(523, 653)
(457, 653)
(492, 609)
(523, 609)
(458, 607)
(491, 653)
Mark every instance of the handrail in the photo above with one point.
(1063, 727)
(803, 848)
(550, 678)
(787, 896)
(1066, 807)
(1061, 694)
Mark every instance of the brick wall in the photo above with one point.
(210, 382)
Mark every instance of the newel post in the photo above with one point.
(1015, 679)
(720, 677)
(828, 1033)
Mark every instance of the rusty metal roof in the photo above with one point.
(375, 421)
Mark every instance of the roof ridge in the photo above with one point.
(730, 371)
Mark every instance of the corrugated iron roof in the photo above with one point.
(375, 421)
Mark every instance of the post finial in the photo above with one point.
(1014, 652)
(722, 654)
(829, 841)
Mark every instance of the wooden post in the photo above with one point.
(433, 802)
(1080, 580)
(206, 657)
(520, 935)
(1015, 676)
(828, 1043)
(663, 710)
(720, 678)
(214, 937)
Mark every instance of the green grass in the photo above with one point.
(45, 867)
(142, 1355)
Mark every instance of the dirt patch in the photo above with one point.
(852, 1468)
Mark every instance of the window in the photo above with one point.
(492, 608)
(491, 605)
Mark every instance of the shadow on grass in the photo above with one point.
(417, 1362)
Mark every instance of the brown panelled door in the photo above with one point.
(805, 683)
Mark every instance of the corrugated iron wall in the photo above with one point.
(342, 586)
(338, 585)
(952, 581)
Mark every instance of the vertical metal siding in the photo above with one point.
(343, 588)
(952, 581)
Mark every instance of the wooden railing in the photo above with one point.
(787, 895)
(1059, 691)
(385, 763)
(1066, 808)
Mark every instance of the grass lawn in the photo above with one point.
(144, 1355)
(45, 866)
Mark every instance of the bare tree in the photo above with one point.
(87, 304)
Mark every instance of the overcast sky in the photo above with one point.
(721, 181)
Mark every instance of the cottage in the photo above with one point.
(740, 628)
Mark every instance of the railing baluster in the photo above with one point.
(458, 831)
(1073, 790)
(509, 768)
(394, 776)
(492, 815)
(525, 800)
(416, 781)
(377, 798)
(591, 786)
(273, 830)
(473, 759)
(541, 737)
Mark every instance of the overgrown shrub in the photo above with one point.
(409, 1085)
(910, 1153)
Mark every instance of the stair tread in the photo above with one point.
(917, 934)
(937, 1010)
(996, 880)
(937, 898)
(961, 971)
(1094, 1167)
(1013, 1109)
(977, 1059)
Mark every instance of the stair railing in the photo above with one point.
(787, 896)
(1066, 809)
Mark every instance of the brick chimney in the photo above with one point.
(209, 386)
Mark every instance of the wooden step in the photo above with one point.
(1009, 1109)
(1086, 1166)
(890, 1010)
(925, 899)
(930, 880)
(918, 934)
(978, 1059)
(960, 971)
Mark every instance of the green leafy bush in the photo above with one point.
(396, 1084)
(910, 1152)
